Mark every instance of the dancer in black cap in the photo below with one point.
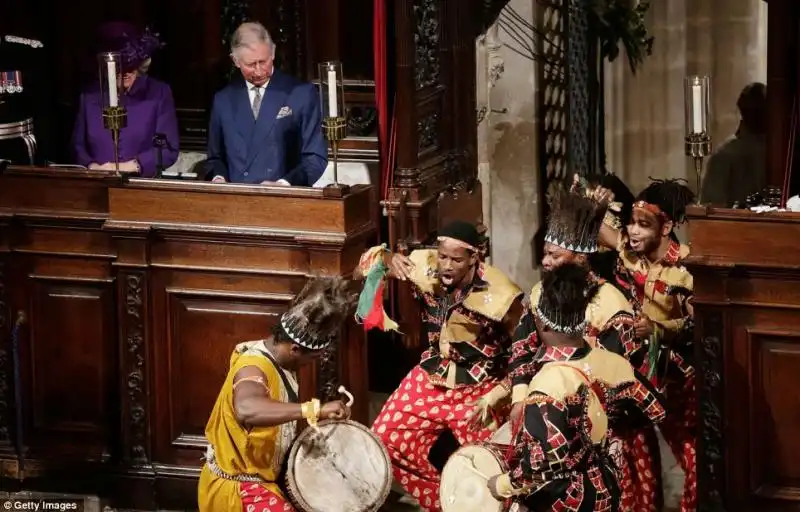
(469, 310)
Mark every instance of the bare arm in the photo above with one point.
(397, 265)
(254, 407)
(608, 236)
(513, 316)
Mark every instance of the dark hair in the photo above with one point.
(671, 196)
(753, 95)
(566, 293)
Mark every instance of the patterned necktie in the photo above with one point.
(256, 101)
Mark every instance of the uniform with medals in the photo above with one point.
(19, 124)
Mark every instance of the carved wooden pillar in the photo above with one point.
(6, 396)
(135, 361)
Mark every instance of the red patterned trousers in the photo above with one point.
(257, 498)
(413, 419)
(640, 471)
(679, 430)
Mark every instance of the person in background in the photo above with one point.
(26, 98)
(149, 102)
(738, 168)
(265, 126)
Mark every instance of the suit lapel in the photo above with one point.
(243, 111)
(274, 99)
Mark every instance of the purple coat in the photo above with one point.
(151, 110)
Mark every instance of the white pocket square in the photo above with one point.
(283, 112)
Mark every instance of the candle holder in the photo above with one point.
(115, 116)
(334, 119)
(698, 136)
(114, 120)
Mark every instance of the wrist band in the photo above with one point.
(310, 411)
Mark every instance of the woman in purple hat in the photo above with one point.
(149, 102)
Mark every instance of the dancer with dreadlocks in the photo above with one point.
(254, 420)
(562, 459)
(650, 266)
(469, 311)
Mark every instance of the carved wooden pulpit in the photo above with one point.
(747, 290)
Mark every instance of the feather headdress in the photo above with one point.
(317, 313)
(574, 221)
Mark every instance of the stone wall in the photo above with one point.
(507, 142)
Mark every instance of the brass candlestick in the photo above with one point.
(115, 119)
(697, 100)
(698, 146)
(335, 129)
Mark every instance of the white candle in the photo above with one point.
(112, 84)
(333, 107)
(697, 109)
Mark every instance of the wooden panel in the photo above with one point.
(72, 354)
(281, 209)
(746, 303)
(204, 327)
(711, 241)
(774, 414)
(76, 193)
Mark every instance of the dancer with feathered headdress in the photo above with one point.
(254, 420)
(562, 453)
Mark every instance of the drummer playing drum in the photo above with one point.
(254, 420)
(561, 458)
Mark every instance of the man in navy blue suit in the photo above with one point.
(265, 126)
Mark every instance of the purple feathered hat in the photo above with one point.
(134, 46)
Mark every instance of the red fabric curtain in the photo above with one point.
(382, 95)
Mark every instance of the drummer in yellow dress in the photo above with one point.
(254, 420)
(561, 458)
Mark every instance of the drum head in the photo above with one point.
(342, 468)
(503, 435)
(462, 489)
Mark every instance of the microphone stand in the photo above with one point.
(160, 142)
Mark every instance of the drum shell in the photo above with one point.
(497, 452)
(381, 456)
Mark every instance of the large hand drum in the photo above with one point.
(463, 486)
(339, 466)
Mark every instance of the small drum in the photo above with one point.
(463, 484)
(339, 467)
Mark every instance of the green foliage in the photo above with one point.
(619, 21)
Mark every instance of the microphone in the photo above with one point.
(160, 142)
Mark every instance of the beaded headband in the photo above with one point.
(571, 325)
(304, 338)
(457, 242)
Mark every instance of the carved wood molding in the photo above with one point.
(711, 443)
(5, 374)
(135, 368)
